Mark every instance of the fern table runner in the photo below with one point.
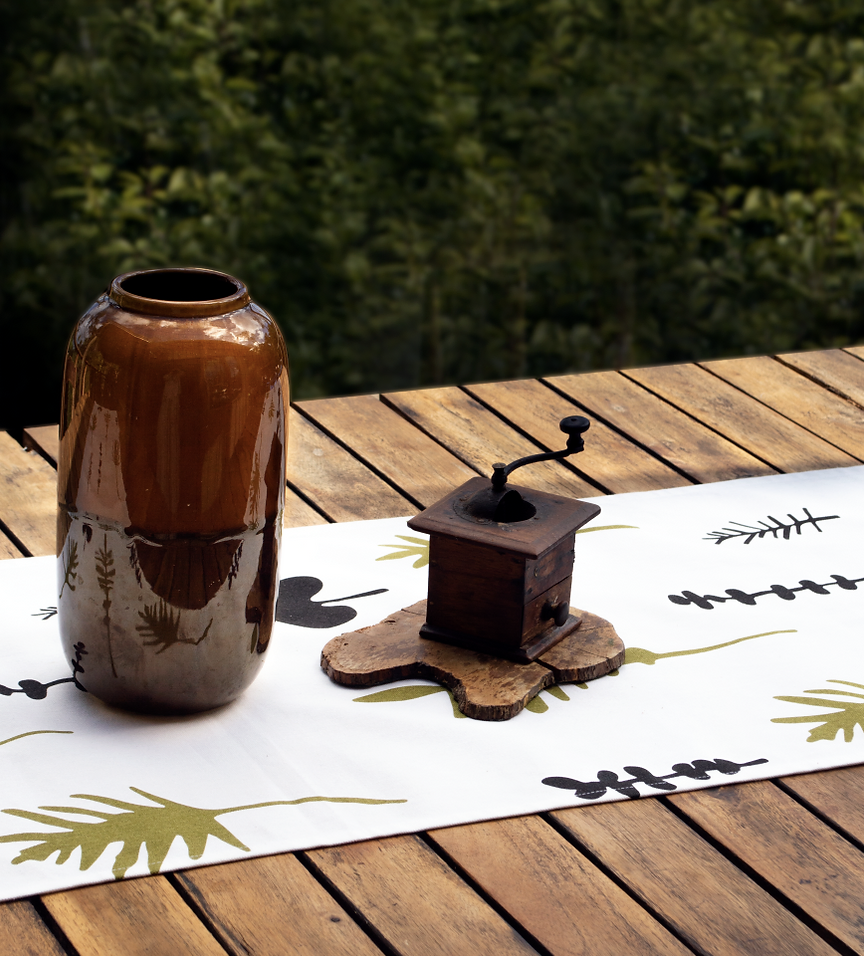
(741, 604)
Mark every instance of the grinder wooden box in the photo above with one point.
(500, 568)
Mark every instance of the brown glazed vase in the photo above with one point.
(170, 490)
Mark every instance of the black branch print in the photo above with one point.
(38, 690)
(295, 605)
(77, 667)
(707, 601)
(608, 780)
(35, 689)
(762, 529)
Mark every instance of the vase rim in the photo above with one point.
(198, 281)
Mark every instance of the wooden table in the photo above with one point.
(761, 868)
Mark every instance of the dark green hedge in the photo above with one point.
(430, 191)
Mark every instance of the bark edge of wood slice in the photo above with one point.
(484, 687)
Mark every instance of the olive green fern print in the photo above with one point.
(418, 548)
(537, 705)
(408, 692)
(845, 716)
(153, 826)
(415, 548)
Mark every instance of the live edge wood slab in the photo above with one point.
(485, 687)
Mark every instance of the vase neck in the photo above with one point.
(179, 293)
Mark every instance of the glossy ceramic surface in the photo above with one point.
(170, 490)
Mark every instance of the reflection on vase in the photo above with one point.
(171, 487)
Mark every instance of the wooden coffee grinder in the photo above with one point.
(497, 626)
(501, 560)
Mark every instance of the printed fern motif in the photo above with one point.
(33, 733)
(409, 692)
(762, 529)
(849, 716)
(537, 705)
(416, 548)
(153, 826)
(419, 547)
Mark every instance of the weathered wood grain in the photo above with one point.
(553, 891)
(22, 932)
(273, 906)
(416, 902)
(856, 350)
(609, 459)
(836, 368)
(299, 513)
(44, 439)
(485, 687)
(788, 846)
(761, 431)
(798, 398)
(7, 548)
(480, 439)
(836, 794)
(667, 865)
(329, 475)
(707, 900)
(28, 497)
(133, 917)
(395, 448)
(675, 437)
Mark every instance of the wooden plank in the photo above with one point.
(798, 398)
(7, 549)
(298, 513)
(28, 497)
(835, 368)
(23, 933)
(609, 459)
(480, 439)
(856, 350)
(415, 901)
(272, 906)
(419, 467)
(836, 794)
(707, 900)
(788, 846)
(684, 443)
(133, 917)
(44, 439)
(330, 476)
(761, 431)
(553, 891)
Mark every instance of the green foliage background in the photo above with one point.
(439, 190)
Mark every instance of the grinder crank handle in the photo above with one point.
(574, 427)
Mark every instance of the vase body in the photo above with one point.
(171, 484)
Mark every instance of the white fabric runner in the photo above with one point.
(91, 794)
